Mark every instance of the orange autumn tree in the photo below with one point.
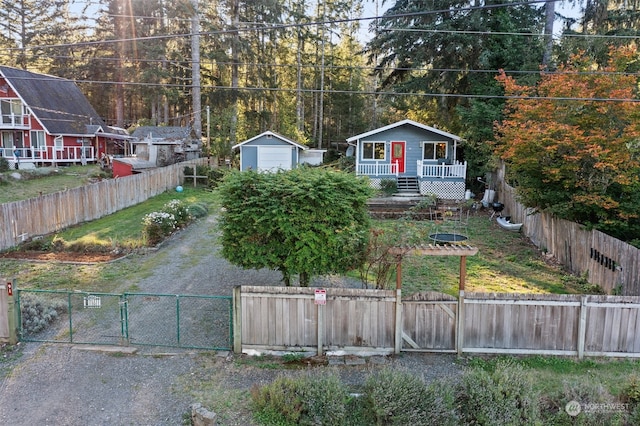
(571, 143)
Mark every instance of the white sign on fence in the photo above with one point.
(321, 296)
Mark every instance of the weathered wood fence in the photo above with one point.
(52, 212)
(358, 320)
(606, 261)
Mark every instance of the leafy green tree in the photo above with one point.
(306, 221)
(571, 143)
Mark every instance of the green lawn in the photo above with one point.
(45, 180)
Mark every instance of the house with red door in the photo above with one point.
(47, 120)
(420, 159)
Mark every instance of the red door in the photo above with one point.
(397, 155)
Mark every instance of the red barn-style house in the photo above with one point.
(47, 120)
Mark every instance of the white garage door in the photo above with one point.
(272, 158)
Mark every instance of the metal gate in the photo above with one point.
(174, 320)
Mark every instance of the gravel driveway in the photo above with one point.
(60, 384)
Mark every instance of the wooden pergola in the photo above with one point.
(460, 250)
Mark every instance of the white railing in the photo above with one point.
(66, 154)
(458, 170)
(378, 169)
(12, 120)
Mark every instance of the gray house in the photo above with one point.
(271, 152)
(419, 158)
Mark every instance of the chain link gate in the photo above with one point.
(184, 321)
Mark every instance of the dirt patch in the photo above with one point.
(71, 257)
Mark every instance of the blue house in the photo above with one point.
(419, 158)
(271, 152)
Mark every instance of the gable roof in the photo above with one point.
(56, 102)
(162, 132)
(267, 133)
(405, 123)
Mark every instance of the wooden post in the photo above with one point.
(398, 331)
(320, 330)
(582, 326)
(460, 316)
(237, 319)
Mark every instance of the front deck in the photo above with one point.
(29, 158)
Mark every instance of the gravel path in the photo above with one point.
(69, 385)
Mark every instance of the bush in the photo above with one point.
(400, 398)
(37, 312)
(4, 164)
(312, 399)
(198, 210)
(388, 186)
(179, 211)
(586, 393)
(156, 226)
(502, 397)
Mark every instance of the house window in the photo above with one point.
(434, 150)
(37, 139)
(373, 150)
(12, 111)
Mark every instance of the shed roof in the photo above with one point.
(56, 102)
(267, 133)
(404, 123)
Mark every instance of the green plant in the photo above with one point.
(179, 211)
(631, 391)
(504, 396)
(308, 399)
(4, 164)
(37, 312)
(299, 222)
(388, 186)
(293, 357)
(198, 210)
(393, 397)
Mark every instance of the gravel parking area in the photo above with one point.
(60, 384)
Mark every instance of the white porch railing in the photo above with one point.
(458, 170)
(67, 154)
(12, 121)
(378, 169)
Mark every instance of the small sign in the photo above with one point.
(321, 296)
(10, 289)
(92, 302)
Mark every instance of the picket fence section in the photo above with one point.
(359, 320)
(52, 212)
(605, 261)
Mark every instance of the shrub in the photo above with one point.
(58, 244)
(631, 390)
(198, 210)
(179, 211)
(388, 186)
(37, 312)
(309, 399)
(4, 164)
(502, 397)
(586, 393)
(400, 398)
(157, 225)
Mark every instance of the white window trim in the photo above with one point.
(374, 150)
(434, 143)
(40, 139)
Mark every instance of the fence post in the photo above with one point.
(460, 316)
(582, 326)
(236, 313)
(320, 330)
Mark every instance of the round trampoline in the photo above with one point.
(448, 238)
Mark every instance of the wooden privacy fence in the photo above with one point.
(49, 213)
(606, 261)
(358, 320)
